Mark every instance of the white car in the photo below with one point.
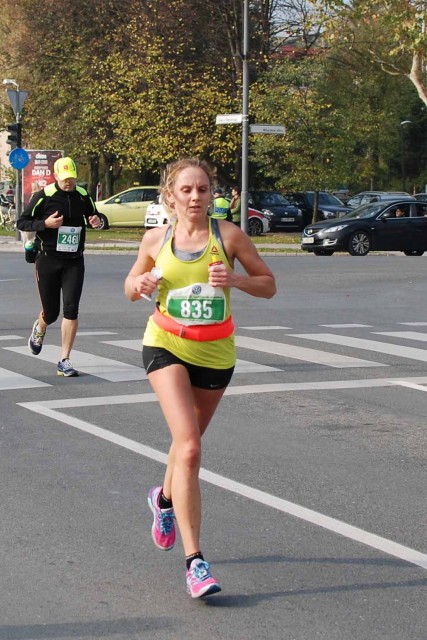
(156, 216)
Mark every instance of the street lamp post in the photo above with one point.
(402, 152)
(245, 119)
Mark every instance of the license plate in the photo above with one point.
(287, 220)
(308, 240)
(151, 221)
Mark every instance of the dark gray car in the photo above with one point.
(377, 226)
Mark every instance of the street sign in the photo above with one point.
(19, 158)
(17, 99)
(267, 128)
(229, 118)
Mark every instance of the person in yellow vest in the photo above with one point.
(220, 207)
(236, 205)
(188, 346)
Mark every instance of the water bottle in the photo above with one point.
(30, 251)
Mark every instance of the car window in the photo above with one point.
(296, 198)
(354, 201)
(149, 194)
(421, 209)
(328, 198)
(270, 199)
(131, 196)
(365, 211)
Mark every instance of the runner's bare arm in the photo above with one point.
(258, 281)
(139, 279)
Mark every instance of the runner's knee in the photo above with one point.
(70, 312)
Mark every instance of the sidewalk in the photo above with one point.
(8, 243)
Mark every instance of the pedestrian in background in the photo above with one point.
(188, 345)
(220, 207)
(236, 205)
(59, 214)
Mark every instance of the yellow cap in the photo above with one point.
(65, 168)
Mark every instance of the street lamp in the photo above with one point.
(402, 152)
(7, 81)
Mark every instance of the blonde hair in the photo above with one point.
(171, 173)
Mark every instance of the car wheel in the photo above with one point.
(255, 227)
(413, 253)
(323, 252)
(359, 243)
(104, 222)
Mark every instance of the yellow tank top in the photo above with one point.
(185, 295)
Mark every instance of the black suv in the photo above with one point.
(279, 211)
(329, 206)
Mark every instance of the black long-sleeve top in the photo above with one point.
(75, 206)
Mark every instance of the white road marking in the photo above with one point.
(411, 353)
(406, 335)
(302, 353)
(414, 324)
(104, 368)
(48, 409)
(11, 380)
(410, 385)
(344, 326)
(242, 366)
(266, 328)
(11, 337)
(96, 333)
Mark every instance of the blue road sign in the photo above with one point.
(19, 158)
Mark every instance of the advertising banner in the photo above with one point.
(39, 172)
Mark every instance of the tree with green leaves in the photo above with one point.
(393, 34)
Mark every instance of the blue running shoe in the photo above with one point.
(66, 369)
(35, 341)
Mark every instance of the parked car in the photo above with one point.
(372, 227)
(280, 212)
(127, 208)
(422, 197)
(156, 216)
(329, 206)
(365, 197)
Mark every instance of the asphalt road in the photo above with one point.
(314, 468)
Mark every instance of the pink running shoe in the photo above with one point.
(200, 581)
(163, 529)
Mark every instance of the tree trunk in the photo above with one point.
(93, 175)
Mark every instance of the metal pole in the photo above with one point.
(245, 118)
(18, 188)
(402, 152)
(402, 156)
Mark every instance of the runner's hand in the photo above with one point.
(54, 221)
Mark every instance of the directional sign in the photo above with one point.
(19, 158)
(17, 99)
(229, 118)
(267, 128)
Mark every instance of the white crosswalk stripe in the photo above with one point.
(302, 353)
(11, 380)
(412, 353)
(242, 366)
(406, 335)
(114, 370)
(105, 368)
